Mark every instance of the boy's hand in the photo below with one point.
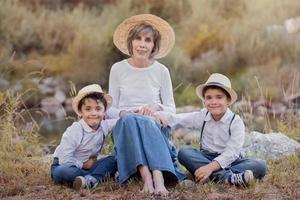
(89, 163)
(202, 173)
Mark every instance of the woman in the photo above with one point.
(141, 86)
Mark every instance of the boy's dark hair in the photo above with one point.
(95, 96)
(215, 87)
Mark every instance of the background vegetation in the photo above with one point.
(73, 39)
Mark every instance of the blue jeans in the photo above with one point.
(66, 173)
(192, 159)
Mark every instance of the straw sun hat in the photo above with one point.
(165, 30)
(221, 81)
(86, 91)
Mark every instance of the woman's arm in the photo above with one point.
(166, 92)
(114, 92)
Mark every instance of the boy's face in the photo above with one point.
(92, 112)
(216, 101)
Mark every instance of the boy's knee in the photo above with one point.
(57, 175)
(62, 174)
(261, 167)
(183, 153)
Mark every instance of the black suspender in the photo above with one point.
(103, 137)
(203, 125)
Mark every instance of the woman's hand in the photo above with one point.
(149, 109)
(162, 120)
(90, 162)
(126, 112)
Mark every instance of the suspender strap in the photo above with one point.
(230, 124)
(201, 133)
(203, 125)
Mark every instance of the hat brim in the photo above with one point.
(231, 92)
(166, 31)
(76, 100)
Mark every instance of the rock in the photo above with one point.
(278, 108)
(269, 146)
(185, 109)
(4, 84)
(188, 184)
(60, 114)
(292, 25)
(68, 104)
(45, 90)
(60, 96)
(294, 100)
(180, 132)
(50, 105)
(192, 137)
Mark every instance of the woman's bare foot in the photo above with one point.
(147, 179)
(159, 186)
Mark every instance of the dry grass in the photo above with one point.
(24, 174)
(31, 181)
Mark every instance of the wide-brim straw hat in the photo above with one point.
(89, 89)
(166, 32)
(218, 80)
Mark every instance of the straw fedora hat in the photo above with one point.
(221, 81)
(86, 91)
(166, 31)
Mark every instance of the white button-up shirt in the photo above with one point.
(216, 137)
(80, 141)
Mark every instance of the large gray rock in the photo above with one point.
(269, 146)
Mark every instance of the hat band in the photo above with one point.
(215, 83)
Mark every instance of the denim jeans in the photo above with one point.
(66, 173)
(192, 159)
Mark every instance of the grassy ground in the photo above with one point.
(28, 178)
(24, 174)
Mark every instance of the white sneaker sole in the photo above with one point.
(249, 178)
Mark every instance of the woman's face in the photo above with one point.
(142, 45)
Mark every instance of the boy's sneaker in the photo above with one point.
(241, 179)
(84, 182)
(79, 183)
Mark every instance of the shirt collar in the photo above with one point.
(226, 117)
(86, 127)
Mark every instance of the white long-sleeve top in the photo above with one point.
(80, 141)
(216, 137)
(132, 87)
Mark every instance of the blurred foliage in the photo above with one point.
(73, 39)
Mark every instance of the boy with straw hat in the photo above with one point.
(75, 159)
(221, 137)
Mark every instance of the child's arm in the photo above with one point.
(108, 124)
(234, 144)
(69, 143)
(187, 120)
